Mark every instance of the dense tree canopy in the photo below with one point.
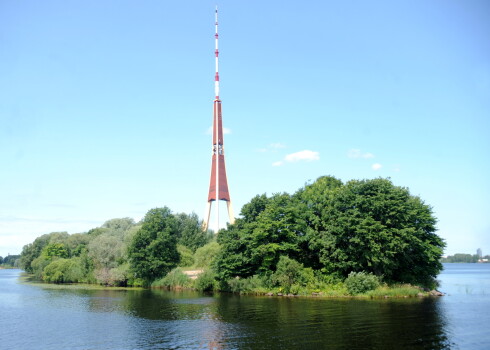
(102, 255)
(368, 225)
(153, 251)
(189, 231)
(374, 226)
(270, 227)
(322, 233)
(33, 250)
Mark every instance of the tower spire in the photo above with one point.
(218, 186)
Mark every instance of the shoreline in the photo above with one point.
(27, 279)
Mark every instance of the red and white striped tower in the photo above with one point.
(218, 186)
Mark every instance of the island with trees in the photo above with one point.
(362, 237)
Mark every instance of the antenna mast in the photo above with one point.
(216, 116)
(216, 52)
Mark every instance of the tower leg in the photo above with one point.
(205, 224)
(231, 215)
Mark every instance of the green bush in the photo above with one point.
(204, 255)
(291, 273)
(121, 274)
(396, 290)
(137, 282)
(205, 281)
(63, 271)
(253, 284)
(361, 282)
(38, 265)
(186, 256)
(174, 279)
(117, 276)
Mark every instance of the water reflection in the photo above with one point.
(156, 319)
(181, 320)
(193, 320)
(356, 324)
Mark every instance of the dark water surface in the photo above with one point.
(47, 317)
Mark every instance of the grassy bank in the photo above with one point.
(31, 279)
(179, 279)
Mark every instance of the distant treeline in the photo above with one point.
(327, 235)
(10, 261)
(465, 258)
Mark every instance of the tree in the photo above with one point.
(186, 258)
(153, 250)
(288, 273)
(234, 256)
(77, 243)
(63, 271)
(107, 252)
(118, 226)
(206, 254)
(270, 227)
(11, 260)
(189, 231)
(55, 250)
(369, 225)
(374, 226)
(33, 250)
(252, 210)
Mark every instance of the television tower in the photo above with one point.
(218, 185)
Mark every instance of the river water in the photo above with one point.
(74, 317)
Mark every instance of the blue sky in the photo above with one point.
(105, 106)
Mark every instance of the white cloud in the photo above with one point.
(356, 153)
(272, 147)
(277, 145)
(376, 166)
(305, 155)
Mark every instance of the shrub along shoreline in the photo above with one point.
(357, 285)
(366, 238)
(382, 292)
